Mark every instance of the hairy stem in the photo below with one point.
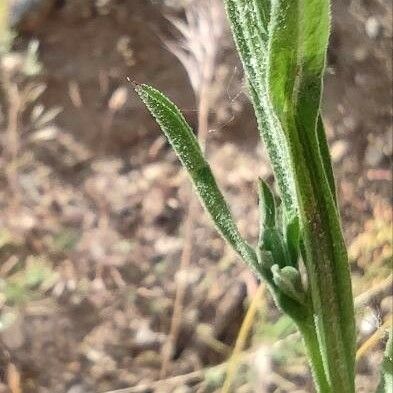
(310, 339)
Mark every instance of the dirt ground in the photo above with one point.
(93, 201)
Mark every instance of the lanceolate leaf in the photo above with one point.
(292, 239)
(181, 137)
(282, 63)
(267, 208)
(314, 31)
(325, 155)
(252, 43)
(272, 241)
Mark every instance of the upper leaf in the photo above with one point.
(267, 208)
(183, 140)
(250, 21)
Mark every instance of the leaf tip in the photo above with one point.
(134, 83)
(267, 204)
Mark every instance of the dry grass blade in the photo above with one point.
(242, 338)
(372, 341)
(375, 291)
(14, 379)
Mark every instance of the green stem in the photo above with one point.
(325, 258)
(310, 339)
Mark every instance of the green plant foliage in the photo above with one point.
(386, 383)
(28, 279)
(28, 282)
(284, 69)
(282, 44)
(180, 135)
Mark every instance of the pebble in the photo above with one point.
(369, 323)
(350, 123)
(145, 337)
(374, 155)
(263, 365)
(373, 27)
(78, 389)
(338, 150)
(360, 54)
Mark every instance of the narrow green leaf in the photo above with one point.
(272, 241)
(252, 44)
(326, 159)
(292, 239)
(314, 31)
(183, 140)
(282, 71)
(267, 207)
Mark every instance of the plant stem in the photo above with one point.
(325, 258)
(310, 339)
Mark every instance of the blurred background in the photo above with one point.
(111, 276)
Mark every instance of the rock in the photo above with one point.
(78, 388)
(369, 323)
(263, 366)
(350, 123)
(146, 338)
(360, 53)
(373, 27)
(167, 245)
(374, 155)
(338, 150)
